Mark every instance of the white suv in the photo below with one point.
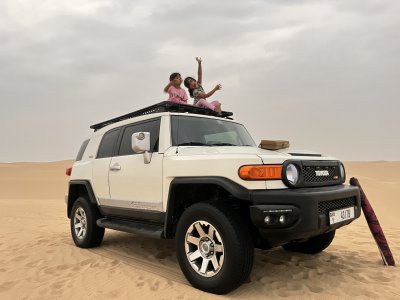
(183, 172)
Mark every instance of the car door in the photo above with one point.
(133, 183)
(101, 165)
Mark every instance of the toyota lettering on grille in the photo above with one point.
(322, 173)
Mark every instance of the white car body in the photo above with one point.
(183, 172)
(151, 182)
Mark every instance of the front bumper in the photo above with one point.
(305, 211)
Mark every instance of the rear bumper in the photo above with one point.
(305, 211)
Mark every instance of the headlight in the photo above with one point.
(342, 172)
(292, 174)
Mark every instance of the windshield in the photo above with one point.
(195, 131)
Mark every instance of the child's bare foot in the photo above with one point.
(218, 108)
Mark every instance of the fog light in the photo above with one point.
(267, 219)
(282, 219)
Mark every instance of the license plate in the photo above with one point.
(341, 215)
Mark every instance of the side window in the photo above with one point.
(82, 150)
(152, 126)
(107, 143)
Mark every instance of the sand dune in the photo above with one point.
(40, 261)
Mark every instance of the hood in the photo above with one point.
(226, 150)
(267, 156)
(296, 155)
(293, 152)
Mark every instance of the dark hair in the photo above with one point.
(173, 75)
(186, 83)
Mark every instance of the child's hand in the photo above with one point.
(198, 59)
(218, 87)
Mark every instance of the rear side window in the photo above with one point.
(107, 144)
(82, 150)
(152, 126)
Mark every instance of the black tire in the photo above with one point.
(235, 261)
(314, 245)
(93, 235)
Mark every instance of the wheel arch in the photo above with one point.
(186, 191)
(76, 189)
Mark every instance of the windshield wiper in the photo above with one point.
(193, 144)
(222, 144)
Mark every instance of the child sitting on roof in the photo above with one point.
(173, 88)
(197, 92)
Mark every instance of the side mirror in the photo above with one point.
(141, 144)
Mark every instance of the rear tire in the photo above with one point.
(84, 230)
(314, 245)
(214, 248)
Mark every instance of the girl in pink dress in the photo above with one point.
(173, 88)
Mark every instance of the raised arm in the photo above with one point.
(167, 87)
(210, 93)
(199, 71)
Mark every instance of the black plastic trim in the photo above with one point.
(136, 227)
(305, 154)
(306, 163)
(259, 212)
(232, 187)
(304, 195)
(133, 214)
(71, 194)
(309, 221)
(165, 106)
(172, 213)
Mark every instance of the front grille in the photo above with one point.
(315, 173)
(327, 206)
(326, 174)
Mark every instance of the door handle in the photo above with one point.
(115, 167)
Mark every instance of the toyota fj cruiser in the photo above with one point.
(184, 172)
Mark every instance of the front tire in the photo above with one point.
(84, 230)
(214, 248)
(314, 245)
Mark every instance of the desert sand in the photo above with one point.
(40, 261)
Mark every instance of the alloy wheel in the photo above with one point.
(204, 248)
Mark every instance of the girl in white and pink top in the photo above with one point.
(173, 88)
(197, 92)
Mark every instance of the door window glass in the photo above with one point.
(152, 126)
(82, 150)
(107, 143)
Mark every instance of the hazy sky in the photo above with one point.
(322, 74)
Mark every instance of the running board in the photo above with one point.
(152, 230)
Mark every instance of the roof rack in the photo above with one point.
(164, 106)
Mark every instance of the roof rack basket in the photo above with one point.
(164, 106)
